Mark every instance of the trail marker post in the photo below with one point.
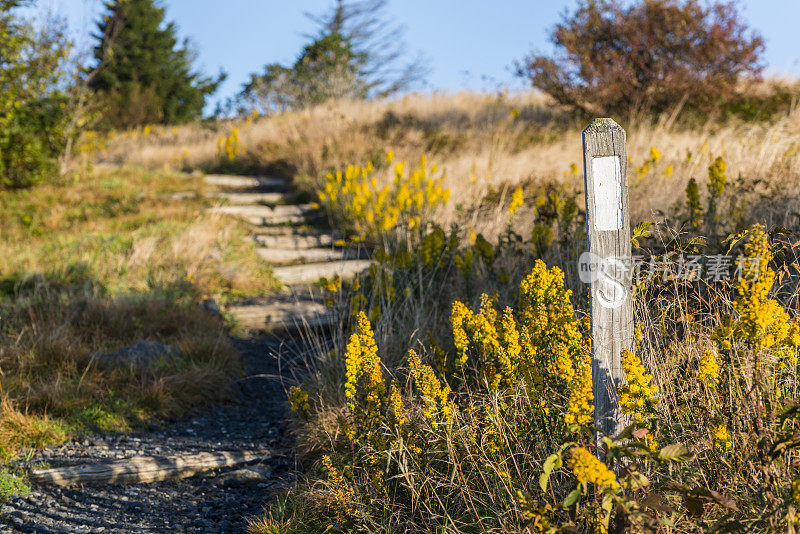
(607, 265)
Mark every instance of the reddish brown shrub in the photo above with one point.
(648, 55)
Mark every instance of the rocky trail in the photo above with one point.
(206, 473)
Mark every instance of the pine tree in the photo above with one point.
(143, 75)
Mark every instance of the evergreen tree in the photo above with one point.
(328, 68)
(355, 54)
(144, 76)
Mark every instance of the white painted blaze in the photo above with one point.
(607, 179)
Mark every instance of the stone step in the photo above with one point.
(276, 316)
(268, 215)
(296, 241)
(250, 198)
(244, 182)
(312, 272)
(300, 231)
(285, 256)
(144, 469)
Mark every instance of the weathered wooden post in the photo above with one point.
(609, 265)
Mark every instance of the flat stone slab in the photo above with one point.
(250, 198)
(144, 469)
(276, 316)
(284, 256)
(293, 240)
(268, 215)
(244, 182)
(312, 272)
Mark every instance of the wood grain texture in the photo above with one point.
(144, 469)
(611, 301)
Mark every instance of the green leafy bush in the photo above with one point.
(34, 109)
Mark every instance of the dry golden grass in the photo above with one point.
(99, 261)
(484, 143)
(489, 145)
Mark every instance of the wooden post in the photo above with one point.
(609, 240)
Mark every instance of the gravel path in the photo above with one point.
(218, 502)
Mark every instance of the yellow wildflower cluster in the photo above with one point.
(517, 200)
(722, 438)
(373, 208)
(653, 159)
(331, 284)
(397, 410)
(579, 407)
(364, 386)
(552, 345)
(495, 338)
(458, 316)
(655, 154)
(552, 332)
(708, 371)
(230, 146)
(638, 394)
(344, 494)
(435, 395)
(717, 177)
(589, 470)
(298, 400)
(540, 345)
(763, 321)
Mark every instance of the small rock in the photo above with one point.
(240, 477)
(211, 306)
(142, 354)
(182, 195)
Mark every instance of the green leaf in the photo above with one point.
(641, 230)
(677, 452)
(572, 498)
(554, 461)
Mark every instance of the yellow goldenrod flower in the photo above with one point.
(516, 200)
(436, 404)
(589, 470)
(638, 395)
(763, 322)
(722, 438)
(708, 370)
(364, 385)
(397, 411)
(459, 315)
(298, 400)
(655, 154)
(717, 177)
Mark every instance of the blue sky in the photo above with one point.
(469, 43)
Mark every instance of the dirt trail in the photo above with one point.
(220, 500)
